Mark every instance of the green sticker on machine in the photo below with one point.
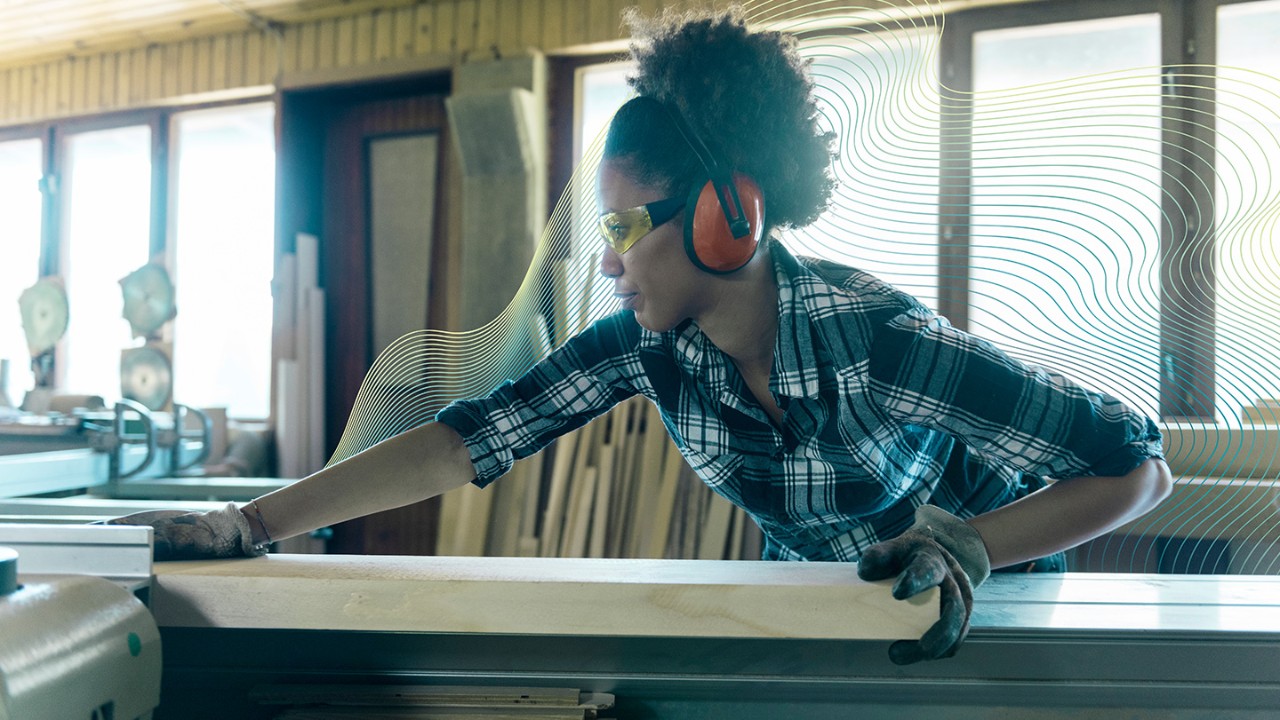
(135, 644)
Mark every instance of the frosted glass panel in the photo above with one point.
(223, 246)
(20, 206)
(1066, 193)
(1247, 244)
(106, 210)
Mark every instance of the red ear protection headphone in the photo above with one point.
(724, 217)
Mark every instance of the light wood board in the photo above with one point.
(537, 596)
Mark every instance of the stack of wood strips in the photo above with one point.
(615, 488)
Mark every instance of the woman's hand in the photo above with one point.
(939, 550)
(179, 535)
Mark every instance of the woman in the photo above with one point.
(850, 422)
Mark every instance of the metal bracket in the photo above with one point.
(116, 440)
(176, 438)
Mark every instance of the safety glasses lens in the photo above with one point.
(621, 230)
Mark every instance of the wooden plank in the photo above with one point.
(290, 49)
(465, 26)
(486, 26)
(107, 88)
(218, 62)
(155, 73)
(170, 71)
(601, 21)
(79, 91)
(38, 91)
(345, 43)
(529, 28)
(404, 32)
(308, 46)
(124, 78)
(184, 70)
(581, 490)
(507, 17)
(383, 36)
(47, 90)
(424, 29)
(664, 504)
(64, 87)
(19, 92)
(236, 76)
(202, 70)
(578, 519)
(326, 44)
(364, 40)
(93, 83)
(553, 515)
(272, 60)
(8, 94)
(575, 22)
(552, 25)
(444, 37)
(255, 73)
(648, 480)
(134, 81)
(536, 596)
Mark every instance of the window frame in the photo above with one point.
(55, 134)
(1188, 36)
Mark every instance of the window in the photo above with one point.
(1065, 233)
(208, 214)
(20, 211)
(1065, 194)
(1247, 251)
(222, 244)
(106, 211)
(603, 89)
(877, 91)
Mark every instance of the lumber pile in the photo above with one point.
(615, 488)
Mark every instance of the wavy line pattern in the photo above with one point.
(1061, 218)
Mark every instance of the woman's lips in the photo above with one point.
(628, 300)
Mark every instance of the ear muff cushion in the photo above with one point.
(707, 238)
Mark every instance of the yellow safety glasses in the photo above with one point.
(624, 228)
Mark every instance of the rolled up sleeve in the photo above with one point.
(577, 382)
(926, 372)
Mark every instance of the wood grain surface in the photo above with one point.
(537, 596)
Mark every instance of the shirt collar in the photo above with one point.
(795, 371)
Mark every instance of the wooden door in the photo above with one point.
(346, 129)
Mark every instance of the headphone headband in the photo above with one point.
(720, 176)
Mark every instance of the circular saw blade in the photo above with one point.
(44, 314)
(146, 376)
(148, 299)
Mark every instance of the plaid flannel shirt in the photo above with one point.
(887, 407)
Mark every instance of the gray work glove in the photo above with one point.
(180, 535)
(939, 550)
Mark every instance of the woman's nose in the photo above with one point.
(610, 263)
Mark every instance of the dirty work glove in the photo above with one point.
(939, 549)
(181, 535)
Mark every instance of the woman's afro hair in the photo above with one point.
(745, 94)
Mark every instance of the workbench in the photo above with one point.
(730, 640)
